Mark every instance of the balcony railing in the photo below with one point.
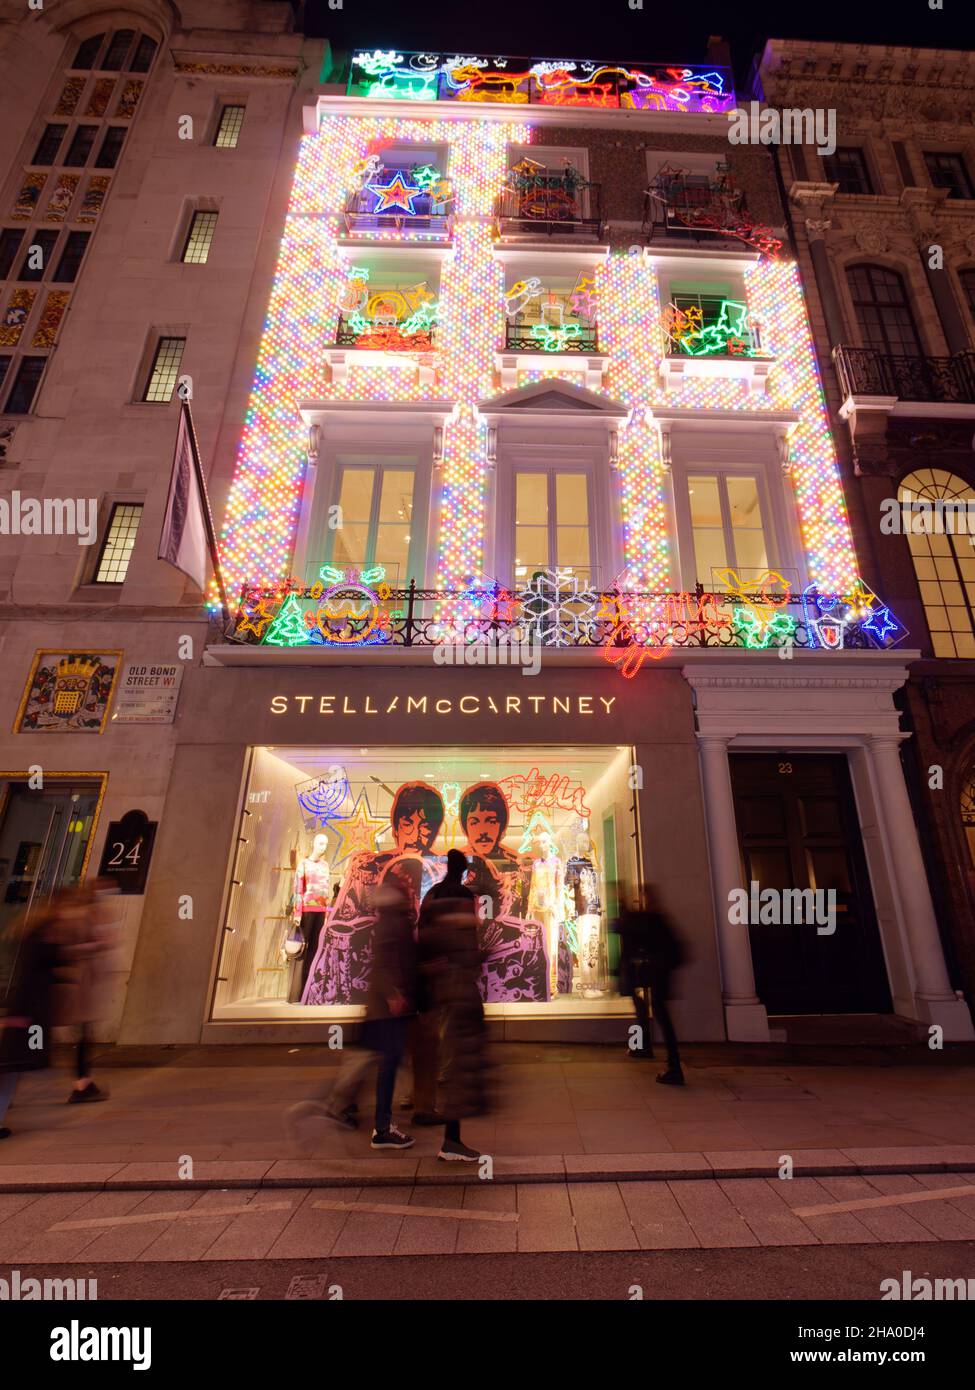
(383, 338)
(549, 208)
(544, 337)
(867, 372)
(563, 613)
(420, 226)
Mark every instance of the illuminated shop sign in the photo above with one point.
(548, 705)
(546, 82)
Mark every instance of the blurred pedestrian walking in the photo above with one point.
(32, 962)
(390, 1006)
(650, 952)
(450, 961)
(89, 930)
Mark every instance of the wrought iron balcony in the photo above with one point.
(421, 226)
(557, 610)
(867, 372)
(550, 337)
(550, 208)
(383, 337)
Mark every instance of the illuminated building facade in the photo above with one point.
(535, 545)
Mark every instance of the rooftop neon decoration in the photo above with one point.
(518, 81)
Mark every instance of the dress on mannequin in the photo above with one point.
(582, 891)
(312, 899)
(545, 904)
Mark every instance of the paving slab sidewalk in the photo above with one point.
(213, 1117)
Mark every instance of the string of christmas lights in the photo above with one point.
(265, 498)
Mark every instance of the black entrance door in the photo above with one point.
(798, 828)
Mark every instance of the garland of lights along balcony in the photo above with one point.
(312, 283)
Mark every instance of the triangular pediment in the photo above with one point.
(553, 396)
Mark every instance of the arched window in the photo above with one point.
(883, 310)
(944, 558)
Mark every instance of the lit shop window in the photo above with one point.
(547, 831)
(113, 562)
(165, 370)
(228, 128)
(376, 520)
(198, 239)
(552, 523)
(727, 525)
(944, 560)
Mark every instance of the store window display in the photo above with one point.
(532, 824)
(312, 898)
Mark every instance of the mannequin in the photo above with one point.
(546, 898)
(312, 900)
(582, 899)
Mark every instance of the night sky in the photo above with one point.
(609, 29)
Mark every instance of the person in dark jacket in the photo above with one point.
(390, 1004)
(450, 962)
(650, 952)
(32, 959)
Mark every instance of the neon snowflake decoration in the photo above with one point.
(557, 609)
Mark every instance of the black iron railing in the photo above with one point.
(557, 616)
(383, 338)
(544, 337)
(551, 208)
(867, 372)
(423, 226)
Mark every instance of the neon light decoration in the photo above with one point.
(395, 194)
(533, 791)
(565, 82)
(321, 798)
(360, 831)
(828, 617)
(729, 336)
(312, 281)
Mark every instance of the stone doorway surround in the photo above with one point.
(832, 702)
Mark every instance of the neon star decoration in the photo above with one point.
(729, 335)
(395, 194)
(359, 831)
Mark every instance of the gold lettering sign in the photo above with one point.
(545, 705)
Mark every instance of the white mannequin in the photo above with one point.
(545, 899)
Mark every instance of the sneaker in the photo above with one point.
(391, 1138)
(453, 1151)
(673, 1076)
(5, 1133)
(90, 1093)
(427, 1117)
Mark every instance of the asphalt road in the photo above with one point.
(833, 1272)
